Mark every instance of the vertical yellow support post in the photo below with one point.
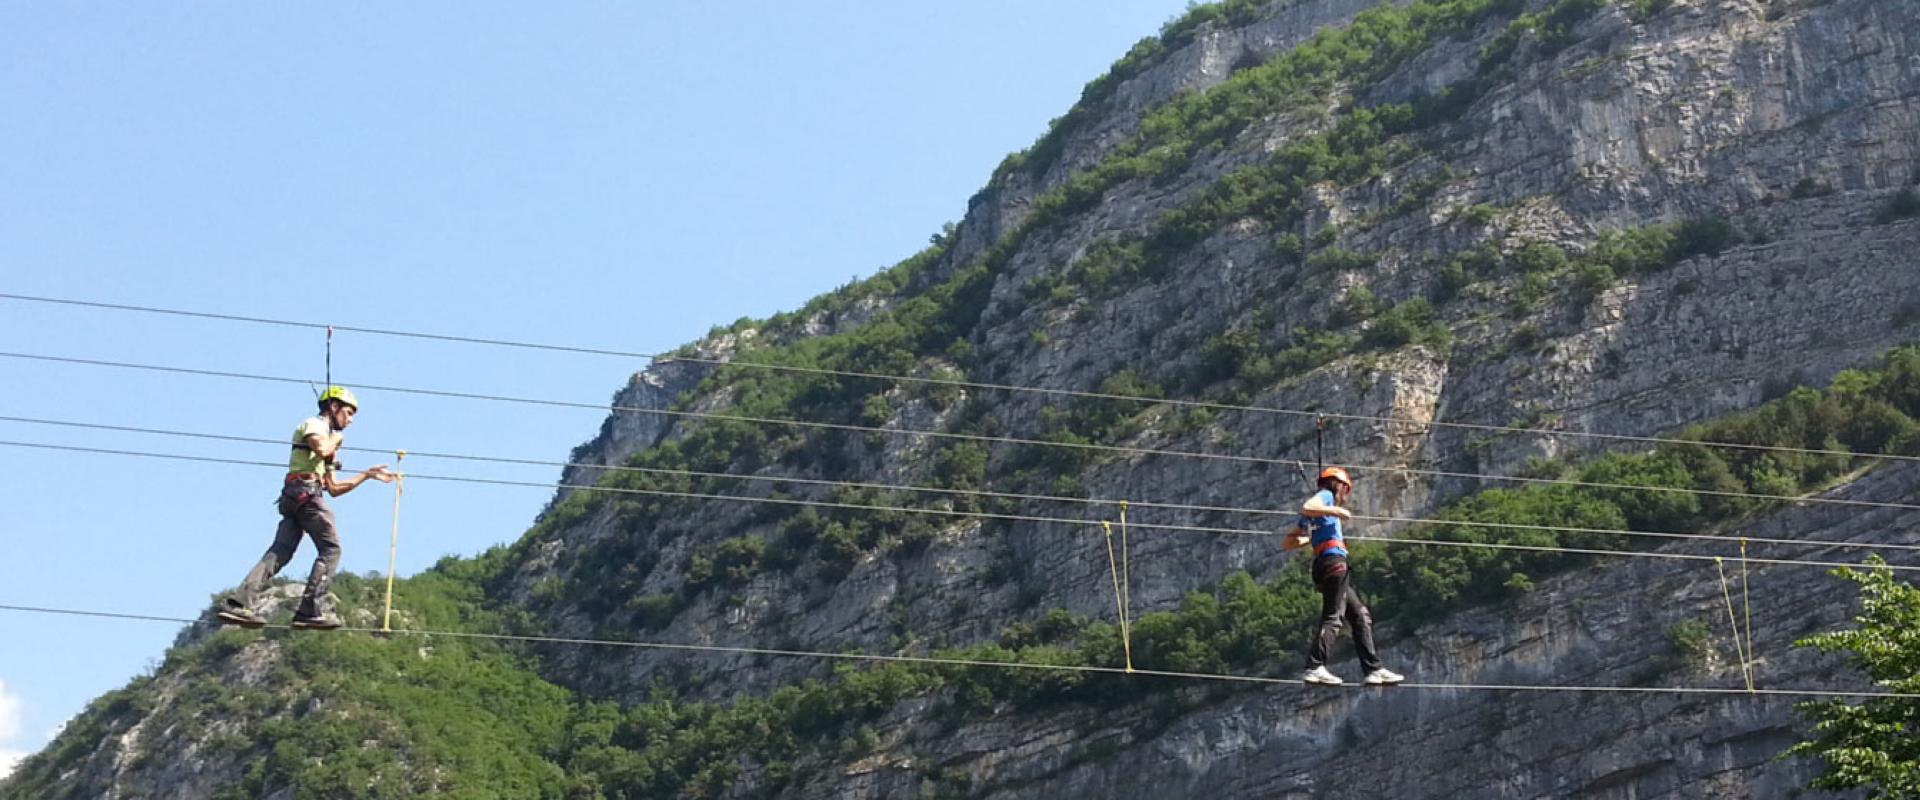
(1126, 575)
(393, 543)
(1747, 603)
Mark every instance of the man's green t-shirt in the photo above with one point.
(305, 460)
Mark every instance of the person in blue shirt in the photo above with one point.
(1320, 527)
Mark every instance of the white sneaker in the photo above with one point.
(1384, 677)
(1321, 676)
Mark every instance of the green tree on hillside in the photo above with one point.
(1873, 745)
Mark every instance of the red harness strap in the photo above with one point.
(302, 498)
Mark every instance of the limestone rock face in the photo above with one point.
(625, 433)
(1708, 109)
(1797, 121)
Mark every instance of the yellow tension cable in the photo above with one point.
(1733, 622)
(393, 543)
(1119, 600)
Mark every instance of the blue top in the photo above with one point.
(1324, 532)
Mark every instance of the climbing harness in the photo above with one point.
(300, 498)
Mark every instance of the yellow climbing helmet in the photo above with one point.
(341, 394)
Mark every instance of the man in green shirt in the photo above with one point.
(312, 474)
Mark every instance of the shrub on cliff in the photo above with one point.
(1875, 744)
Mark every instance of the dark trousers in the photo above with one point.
(303, 509)
(1340, 603)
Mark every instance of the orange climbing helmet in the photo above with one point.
(1337, 474)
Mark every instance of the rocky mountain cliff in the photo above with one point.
(1627, 218)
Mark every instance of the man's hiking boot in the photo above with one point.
(1384, 677)
(1321, 676)
(324, 622)
(241, 617)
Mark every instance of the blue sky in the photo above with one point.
(612, 175)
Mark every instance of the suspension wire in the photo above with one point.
(964, 662)
(1010, 440)
(1068, 521)
(776, 479)
(666, 357)
(1319, 446)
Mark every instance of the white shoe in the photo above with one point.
(1321, 676)
(1384, 677)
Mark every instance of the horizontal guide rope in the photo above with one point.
(961, 662)
(973, 514)
(1286, 462)
(998, 495)
(663, 357)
